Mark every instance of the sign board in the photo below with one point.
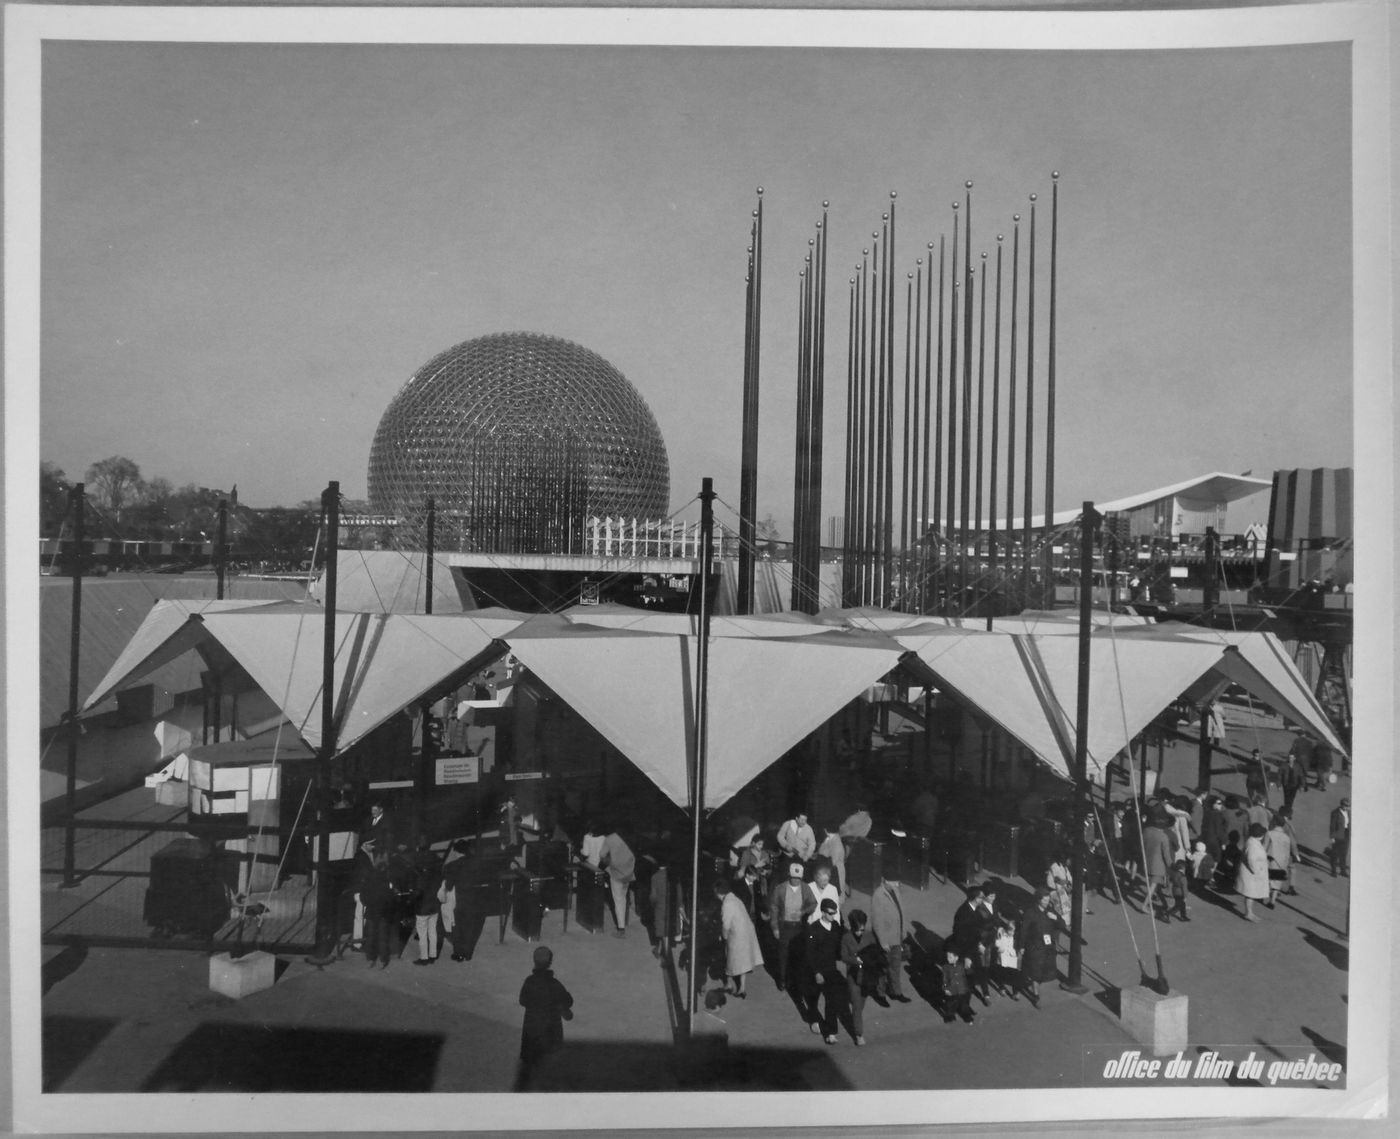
(457, 769)
(588, 593)
(1180, 572)
(515, 775)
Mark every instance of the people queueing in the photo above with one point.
(857, 823)
(788, 906)
(1339, 838)
(756, 857)
(821, 888)
(864, 964)
(1285, 817)
(1005, 968)
(1178, 880)
(955, 989)
(1157, 839)
(1278, 848)
(1227, 868)
(460, 882)
(359, 874)
(1036, 938)
(742, 952)
(590, 847)
(377, 896)
(1059, 882)
(974, 925)
(1252, 876)
(833, 850)
(1292, 779)
(1215, 827)
(888, 924)
(797, 840)
(1202, 868)
(824, 984)
(427, 902)
(617, 859)
(547, 1004)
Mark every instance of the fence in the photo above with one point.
(163, 883)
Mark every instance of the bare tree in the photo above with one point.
(114, 482)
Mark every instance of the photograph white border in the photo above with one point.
(1363, 25)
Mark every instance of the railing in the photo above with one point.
(149, 884)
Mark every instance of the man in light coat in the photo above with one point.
(887, 923)
(620, 863)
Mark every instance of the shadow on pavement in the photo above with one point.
(1337, 954)
(256, 1058)
(1333, 1050)
(68, 1041)
(598, 1066)
(63, 964)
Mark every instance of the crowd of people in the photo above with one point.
(781, 901)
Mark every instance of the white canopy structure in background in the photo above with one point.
(383, 661)
(1275, 678)
(1029, 684)
(766, 694)
(772, 680)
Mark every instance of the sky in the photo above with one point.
(248, 249)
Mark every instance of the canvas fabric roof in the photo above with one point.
(1279, 683)
(642, 621)
(638, 689)
(113, 609)
(383, 662)
(391, 581)
(1028, 684)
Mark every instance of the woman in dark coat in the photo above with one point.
(1036, 939)
(379, 901)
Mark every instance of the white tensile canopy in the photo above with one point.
(771, 681)
(1029, 684)
(383, 661)
(639, 690)
(1273, 678)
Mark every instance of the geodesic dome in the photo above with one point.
(517, 437)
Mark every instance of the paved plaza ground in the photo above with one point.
(142, 1020)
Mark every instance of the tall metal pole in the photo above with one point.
(1048, 554)
(325, 892)
(748, 472)
(800, 437)
(863, 451)
(220, 567)
(818, 413)
(965, 473)
(881, 458)
(848, 514)
(1087, 524)
(427, 753)
(929, 444)
(697, 784)
(1011, 401)
(981, 422)
(70, 800)
(905, 417)
(951, 523)
(992, 466)
(889, 415)
(936, 554)
(911, 508)
(1030, 413)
